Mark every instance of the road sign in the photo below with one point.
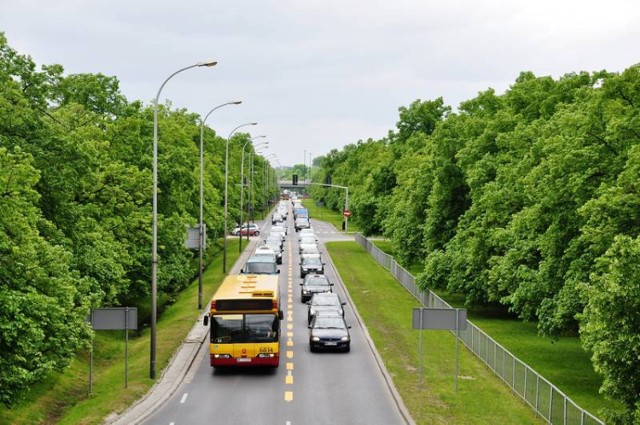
(440, 318)
(453, 319)
(347, 213)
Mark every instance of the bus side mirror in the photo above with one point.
(281, 315)
(206, 320)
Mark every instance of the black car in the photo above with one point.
(325, 302)
(329, 331)
(311, 264)
(314, 284)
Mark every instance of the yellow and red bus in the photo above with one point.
(245, 320)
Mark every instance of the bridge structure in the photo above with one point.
(301, 187)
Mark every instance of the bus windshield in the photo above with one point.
(244, 328)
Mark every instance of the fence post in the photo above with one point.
(537, 392)
(551, 405)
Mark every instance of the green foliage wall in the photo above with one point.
(516, 198)
(75, 207)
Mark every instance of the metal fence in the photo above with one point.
(546, 399)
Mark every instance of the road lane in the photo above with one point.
(307, 388)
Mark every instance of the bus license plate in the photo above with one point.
(244, 360)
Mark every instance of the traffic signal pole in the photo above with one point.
(345, 211)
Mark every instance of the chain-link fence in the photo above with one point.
(547, 400)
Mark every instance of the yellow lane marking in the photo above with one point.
(288, 379)
(289, 354)
(290, 343)
(288, 396)
(289, 365)
(289, 326)
(290, 334)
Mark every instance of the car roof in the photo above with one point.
(259, 259)
(264, 248)
(311, 257)
(328, 313)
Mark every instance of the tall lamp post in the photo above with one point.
(201, 224)
(154, 250)
(265, 179)
(226, 195)
(251, 181)
(242, 187)
(304, 167)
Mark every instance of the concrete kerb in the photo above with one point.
(174, 373)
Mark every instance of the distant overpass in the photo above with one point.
(288, 185)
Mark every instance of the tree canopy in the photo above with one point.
(524, 199)
(75, 196)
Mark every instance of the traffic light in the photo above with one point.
(295, 179)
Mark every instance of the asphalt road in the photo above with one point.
(307, 388)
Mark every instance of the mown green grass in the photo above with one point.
(325, 214)
(562, 362)
(64, 397)
(386, 309)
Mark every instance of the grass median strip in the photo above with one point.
(386, 309)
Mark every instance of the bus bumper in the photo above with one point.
(221, 360)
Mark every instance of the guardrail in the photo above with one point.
(545, 398)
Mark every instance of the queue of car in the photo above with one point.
(325, 309)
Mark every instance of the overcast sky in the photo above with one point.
(317, 75)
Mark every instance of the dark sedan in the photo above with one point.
(314, 284)
(330, 332)
(326, 302)
(311, 264)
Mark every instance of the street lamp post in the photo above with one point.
(154, 249)
(252, 174)
(304, 167)
(242, 187)
(265, 181)
(226, 195)
(201, 224)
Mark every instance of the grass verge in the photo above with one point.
(386, 309)
(63, 398)
(562, 362)
(325, 214)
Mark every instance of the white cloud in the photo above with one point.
(318, 75)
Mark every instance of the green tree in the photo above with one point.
(610, 324)
(42, 301)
